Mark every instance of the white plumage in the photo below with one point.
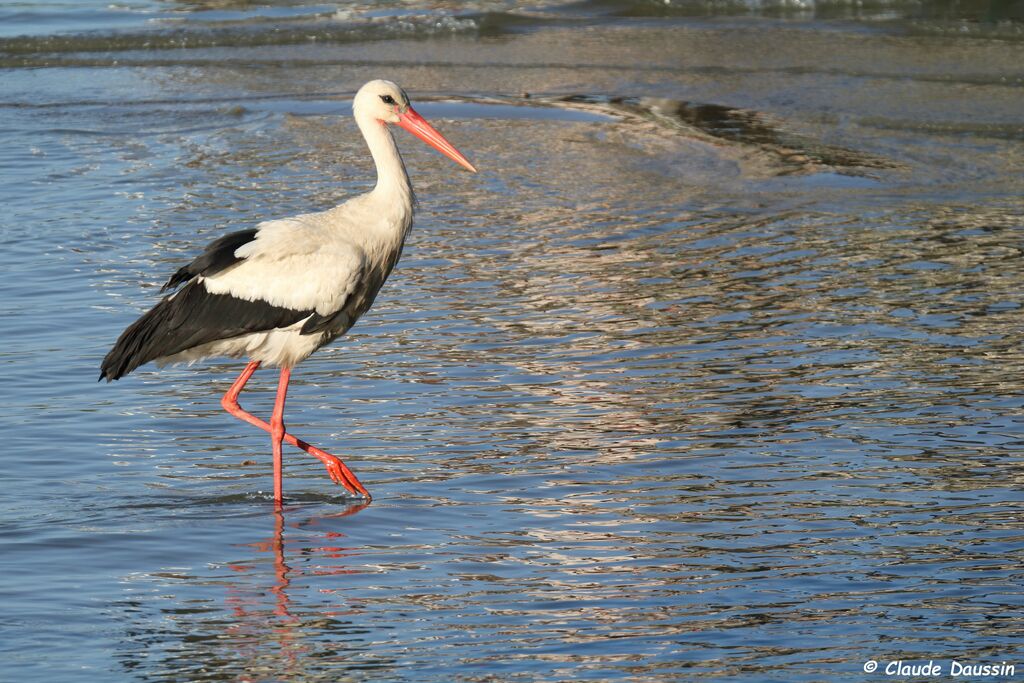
(314, 262)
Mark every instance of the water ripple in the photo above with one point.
(639, 403)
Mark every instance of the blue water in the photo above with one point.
(712, 372)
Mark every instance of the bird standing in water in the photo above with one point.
(276, 293)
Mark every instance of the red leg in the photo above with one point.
(230, 399)
(277, 434)
(337, 470)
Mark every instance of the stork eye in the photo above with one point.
(387, 99)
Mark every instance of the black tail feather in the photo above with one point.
(137, 344)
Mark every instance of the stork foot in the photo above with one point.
(337, 470)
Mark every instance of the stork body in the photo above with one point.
(276, 293)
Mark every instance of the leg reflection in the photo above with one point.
(245, 608)
(281, 570)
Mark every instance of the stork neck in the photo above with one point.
(392, 178)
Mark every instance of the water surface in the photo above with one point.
(712, 371)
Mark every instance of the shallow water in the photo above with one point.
(712, 371)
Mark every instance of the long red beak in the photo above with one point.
(418, 126)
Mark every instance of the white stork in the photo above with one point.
(276, 293)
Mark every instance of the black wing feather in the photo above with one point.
(220, 254)
(188, 319)
(333, 322)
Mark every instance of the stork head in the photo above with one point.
(387, 103)
(383, 100)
